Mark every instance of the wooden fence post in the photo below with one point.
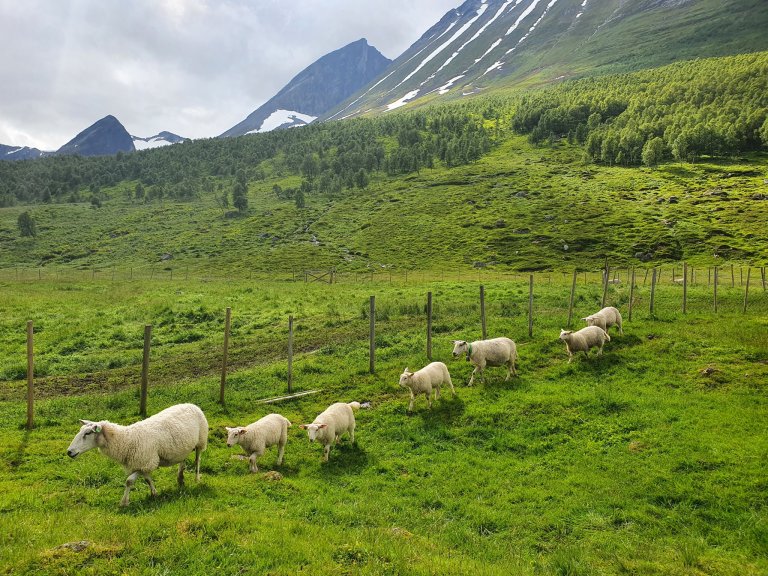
(570, 301)
(30, 377)
(605, 284)
(685, 286)
(762, 274)
(145, 371)
(631, 293)
(482, 311)
(733, 279)
(227, 318)
(372, 334)
(530, 306)
(653, 289)
(715, 286)
(429, 326)
(290, 354)
(746, 290)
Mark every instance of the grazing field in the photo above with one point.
(648, 460)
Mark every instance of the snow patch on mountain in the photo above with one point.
(282, 117)
(402, 101)
(447, 86)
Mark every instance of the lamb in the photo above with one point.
(329, 425)
(605, 318)
(493, 352)
(583, 340)
(164, 439)
(422, 381)
(257, 437)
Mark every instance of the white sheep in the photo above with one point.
(583, 340)
(164, 439)
(257, 437)
(605, 318)
(422, 381)
(329, 425)
(493, 352)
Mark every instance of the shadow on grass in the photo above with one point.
(345, 458)
(148, 503)
(18, 458)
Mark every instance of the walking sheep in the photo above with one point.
(257, 437)
(422, 381)
(164, 439)
(583, 340)
(337, 419)
(482, 353)
(605, 318)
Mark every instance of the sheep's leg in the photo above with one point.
(326, 451)
(410, 404)
(600, 350)
(128, 485)
(428, 396)
(180, 476)
(280, 453)
(477, 370)
(149, 481)
(352, 435)
(252, 463)
(450, 383)
(621, 330)
(198, 452)
(437, 392)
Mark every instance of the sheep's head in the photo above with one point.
(460, 347)
(590, 320)
(234, 435)
(85, 439)
(405, 378)
(312, 430)
(564, 334)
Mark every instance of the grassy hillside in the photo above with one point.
(647, 460)
(519, 206)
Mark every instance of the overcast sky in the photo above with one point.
(192, 67)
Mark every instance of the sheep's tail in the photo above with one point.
(358, 405)
(607, 336)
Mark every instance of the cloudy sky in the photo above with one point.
(192, 67)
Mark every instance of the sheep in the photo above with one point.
(164, 439)
(422, 381)
(583, 340)
(329, 425)
(257, 437)
(605, 318)
(493, 352)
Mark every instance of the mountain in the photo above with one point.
(20, 152)
(316, 89)
(495, 43)
(162, 139)
(104, 138)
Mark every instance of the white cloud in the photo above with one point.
(194, 67)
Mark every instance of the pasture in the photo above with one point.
(648, 460)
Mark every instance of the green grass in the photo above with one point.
(637, 462)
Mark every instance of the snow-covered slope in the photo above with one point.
(486, 42)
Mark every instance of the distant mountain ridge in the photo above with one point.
(102, 138)
(316, 89)
(487, 44)
(20, 153)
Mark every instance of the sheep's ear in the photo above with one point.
(322, 426)
(241, 432)
(85, 422)
(303, 426)
(227, 428)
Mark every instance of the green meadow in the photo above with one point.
(647, 460)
